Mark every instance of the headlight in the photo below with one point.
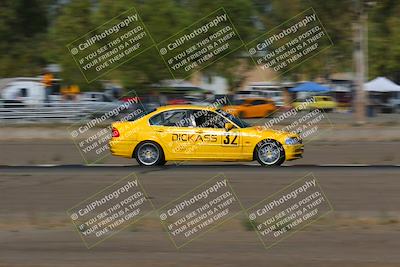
(293, 141)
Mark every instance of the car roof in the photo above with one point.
(256, 98)
(175, 107)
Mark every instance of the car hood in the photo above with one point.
(233, 107)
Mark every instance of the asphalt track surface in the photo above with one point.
(363, 229)
(197, 167)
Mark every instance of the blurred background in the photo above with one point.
(354, 154)
(35, 66)
(355, 81)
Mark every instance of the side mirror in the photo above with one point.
(228, 126)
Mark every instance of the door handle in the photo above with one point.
(160, 130)
(199, 131)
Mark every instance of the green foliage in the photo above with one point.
(22, 30)
(384, 36)
(34, 33)
(73, 21)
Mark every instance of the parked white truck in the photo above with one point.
(27, 91)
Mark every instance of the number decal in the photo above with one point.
(227, 139)
(230, 139)
(234, 141)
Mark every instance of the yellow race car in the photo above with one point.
(186, 132)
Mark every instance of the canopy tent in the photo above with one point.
(310, 87)
(381, 84)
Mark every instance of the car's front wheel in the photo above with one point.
(269, 153)
(149, 154)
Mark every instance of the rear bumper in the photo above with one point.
(122, 148)
(293, 152)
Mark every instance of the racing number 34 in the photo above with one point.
(230, 139)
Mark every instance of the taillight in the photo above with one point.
(115, 132)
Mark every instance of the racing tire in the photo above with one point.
(269, 153)
(149, 153)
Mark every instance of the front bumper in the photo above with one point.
(293, 152)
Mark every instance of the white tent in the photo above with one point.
(381, 84)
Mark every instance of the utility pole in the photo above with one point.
(360, 46)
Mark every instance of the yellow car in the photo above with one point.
(316, 102)
(251, 108)
(186, 132)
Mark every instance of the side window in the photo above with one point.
(23, 92)
(258, 102)
(156, 119)
(208, 119)
(173, 118)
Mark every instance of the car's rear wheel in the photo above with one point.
(149, 154)
(269, 153)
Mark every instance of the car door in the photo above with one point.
(256, 108)
(214, 142)
(174, 130)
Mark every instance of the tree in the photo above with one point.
(23, 26)
(73, 21)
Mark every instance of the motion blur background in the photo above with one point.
(42, 90)
(34, 35)
(355, 155)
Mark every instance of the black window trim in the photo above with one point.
(191, 109)
(148, 121)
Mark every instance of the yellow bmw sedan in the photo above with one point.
(186, 132)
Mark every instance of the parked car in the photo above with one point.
(325, 103)
(251, 108)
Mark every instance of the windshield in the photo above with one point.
(238, 102)
(235, 120)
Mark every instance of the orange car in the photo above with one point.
(251, 108)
